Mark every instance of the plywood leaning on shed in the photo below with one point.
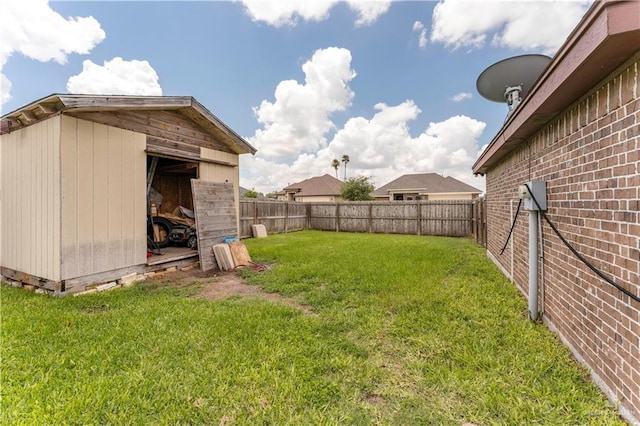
(215, 210)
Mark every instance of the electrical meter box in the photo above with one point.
(539, 191)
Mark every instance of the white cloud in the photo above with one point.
(368, 11)
(116, 77)
(529, 25)
(418, 27)
(33, 29)
(298, 120)
(288, 13)
(5, 89)
(459, 97)
(382, 148)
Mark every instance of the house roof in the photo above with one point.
(187, 105)
(605, 38)
(316, 186)
(425, 183)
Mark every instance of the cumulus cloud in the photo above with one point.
(5, 89)
(459, 97)
(298, 120)
(418, 28)
(539, 25)
(368, 11)
(382, 148)
(34, 30)
(288, 13)
(116, 77)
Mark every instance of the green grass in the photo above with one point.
(407, 330)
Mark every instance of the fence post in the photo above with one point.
(337, 217)
(255, 212)
(419, 213)
(371, 217)
(471, 214)
(286, 217)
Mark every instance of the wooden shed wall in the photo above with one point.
(228, 171)
(170, 132)
(103, 184)
(30, 227)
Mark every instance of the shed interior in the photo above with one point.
(172, 180)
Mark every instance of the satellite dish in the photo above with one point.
(511, 79)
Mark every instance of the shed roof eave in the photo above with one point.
(604, 40)
(83, 102)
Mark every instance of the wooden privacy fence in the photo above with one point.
(455, 218)
(276, 216)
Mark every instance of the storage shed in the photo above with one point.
(577, 132)
(76, 171)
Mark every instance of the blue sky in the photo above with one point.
(391, 84)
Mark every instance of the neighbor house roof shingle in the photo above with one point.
(315, 186)
(431, 183)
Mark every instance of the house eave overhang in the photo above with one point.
(187, 105)
(605, 39)
(397, 190)
(424, 191)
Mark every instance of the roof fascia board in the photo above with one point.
(406, 189)
(236, 139)
(100, 102)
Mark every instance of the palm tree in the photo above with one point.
(335, 164)
(345, 160)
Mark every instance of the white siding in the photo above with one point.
(451, 196)
(103, 198)
(319, 199)
(30, 203)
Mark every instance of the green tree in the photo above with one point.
(335, 164)
(357, 188)
(345, 160)
(250, 193)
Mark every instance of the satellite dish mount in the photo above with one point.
(511, 79)
(513, 96)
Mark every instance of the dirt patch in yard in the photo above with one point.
(218, 285)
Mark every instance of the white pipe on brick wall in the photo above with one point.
(533, 265)
(511, 244)
(542, 283)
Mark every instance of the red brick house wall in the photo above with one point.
(589, 155)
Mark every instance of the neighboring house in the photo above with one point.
(243, 190)
(316, 189)
(75, 171)
(578, 130)
(425, 186)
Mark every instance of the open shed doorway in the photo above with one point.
(170, 217)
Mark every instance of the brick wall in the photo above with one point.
(590, 158)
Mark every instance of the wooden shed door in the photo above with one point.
(215, 212)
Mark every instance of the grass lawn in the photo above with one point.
(406, 330)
